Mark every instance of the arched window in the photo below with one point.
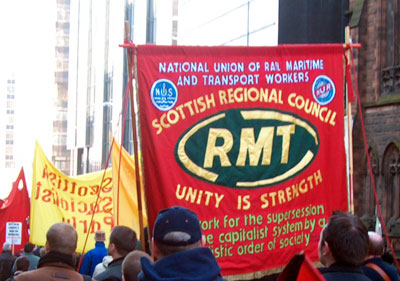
(390, 46)
(391, 186)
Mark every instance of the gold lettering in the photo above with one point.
(247, 144)
(213, 150)
(285, 132)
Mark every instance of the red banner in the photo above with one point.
(14, 215)
(251, 139)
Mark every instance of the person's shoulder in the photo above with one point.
(338, 273)
(107, 274)
(27, 275)
(339, 276)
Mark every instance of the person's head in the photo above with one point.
(42, 251)
(131, 265)
(62, 238)
(343, 240)
(22, 263)
(100, 236)
(176, 229)
(376, 244)
(122, 241)
(28, 248)
(6, 247)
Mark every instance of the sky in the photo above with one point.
(27, 50)
(27, 30)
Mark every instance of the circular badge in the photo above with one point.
(164, 94)
(323, 90)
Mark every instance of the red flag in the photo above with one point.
(16, 209)
(243, 137)
(300, 268)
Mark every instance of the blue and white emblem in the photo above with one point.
(323, 90)
(164, 94)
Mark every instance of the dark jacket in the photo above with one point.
(338, 272)
(374, 275)
(52, 266)
(93, 258)
(197, 264)
(113, 271)
(6, 263)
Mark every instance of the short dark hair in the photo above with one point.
(124, 239)
(28, 248)
(347, 238)
(22, 263)
(167, 250)
(131, 265)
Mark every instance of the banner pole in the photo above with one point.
(129, 52)
(349, 129)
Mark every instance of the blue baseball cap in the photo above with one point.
(173, 220)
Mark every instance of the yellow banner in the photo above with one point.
(56, 197)
(125, 190)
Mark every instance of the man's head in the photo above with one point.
(62, 238)
(176, 229)
(6, 247)
(28, 248)
(131, 265)
(376, 244)
(343, 240)
(122, 241)
(22, 263)
(100, 236)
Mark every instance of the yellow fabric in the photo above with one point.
(125, 190)
(57, 197)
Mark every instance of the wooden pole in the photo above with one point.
(349, 130)
(135, 138)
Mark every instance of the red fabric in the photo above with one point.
(349, 83)
(16, 208)
(300, 268)
(248, 228)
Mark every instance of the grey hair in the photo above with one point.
(177, 236)
(6, 246)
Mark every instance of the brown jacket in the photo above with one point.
(51, 271)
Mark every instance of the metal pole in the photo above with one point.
(135, 139)
(349, 133)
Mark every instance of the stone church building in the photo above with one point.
(376, 25)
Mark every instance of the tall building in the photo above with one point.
(375, 24)
(95, 81)
(7, 155)
(228, 23)
(60, 155)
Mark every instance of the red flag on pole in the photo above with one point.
(14, 215)
(300, 268)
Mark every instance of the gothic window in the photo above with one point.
(391, 185)
(390, 33)
(390, 54)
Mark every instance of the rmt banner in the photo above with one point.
(251, 139)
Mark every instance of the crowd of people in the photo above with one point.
(346, 250)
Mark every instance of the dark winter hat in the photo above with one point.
(173, 220)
